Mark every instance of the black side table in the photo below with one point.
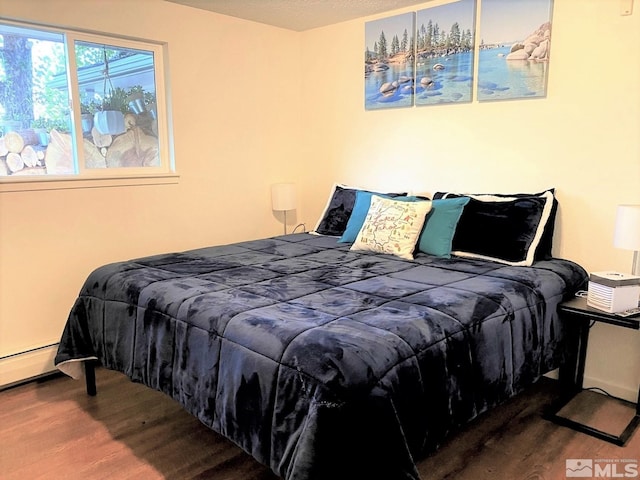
(577, 311)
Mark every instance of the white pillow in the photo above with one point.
(392, 226)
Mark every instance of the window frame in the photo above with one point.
(84, 177)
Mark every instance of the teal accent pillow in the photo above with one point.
(360, 210)
(440, 227)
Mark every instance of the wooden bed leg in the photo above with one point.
(90, 377)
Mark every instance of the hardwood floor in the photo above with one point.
(53, 430)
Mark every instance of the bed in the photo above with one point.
(321, 360)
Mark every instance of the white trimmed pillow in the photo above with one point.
(392, 227)
(503, 229)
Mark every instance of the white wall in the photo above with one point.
(583, 139)
(255, 104)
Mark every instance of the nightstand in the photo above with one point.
(581, 315)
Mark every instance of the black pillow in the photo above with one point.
(333, 220)
(506, 229)
(543, 251)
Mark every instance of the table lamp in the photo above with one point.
(283, 199)
(627, 232)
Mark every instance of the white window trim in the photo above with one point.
(109, 177)
(30, 184)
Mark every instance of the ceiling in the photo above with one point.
(299, 15)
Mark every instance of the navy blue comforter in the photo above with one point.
(320, 362)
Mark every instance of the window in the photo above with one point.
(75, 105)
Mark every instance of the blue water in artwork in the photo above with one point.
(499, 79)
(449, 79)
(445, 79)
(402, 96)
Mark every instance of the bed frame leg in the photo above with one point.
(90, 377)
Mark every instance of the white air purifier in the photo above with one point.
(613, 292)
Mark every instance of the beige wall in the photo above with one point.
(282, 105)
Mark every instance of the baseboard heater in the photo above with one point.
(28, 365)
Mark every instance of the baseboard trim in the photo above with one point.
(620, 391)
(27, 365)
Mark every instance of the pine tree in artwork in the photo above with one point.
(382, 47)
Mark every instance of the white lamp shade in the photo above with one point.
(627, 230)
(283, 196)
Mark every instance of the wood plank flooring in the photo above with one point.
(52, 430)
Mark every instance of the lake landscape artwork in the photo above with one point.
(445, 53)
(515, 41)
(389, 69)
(437, 55)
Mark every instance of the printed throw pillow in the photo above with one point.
(360, 210)
(337, 212)
(392, 227)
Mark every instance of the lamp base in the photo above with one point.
(635, 270)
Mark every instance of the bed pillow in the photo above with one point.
(543, 251)
(440, 226)
(360, 210)
(392, 226)
(503, 229)
(335, 216)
